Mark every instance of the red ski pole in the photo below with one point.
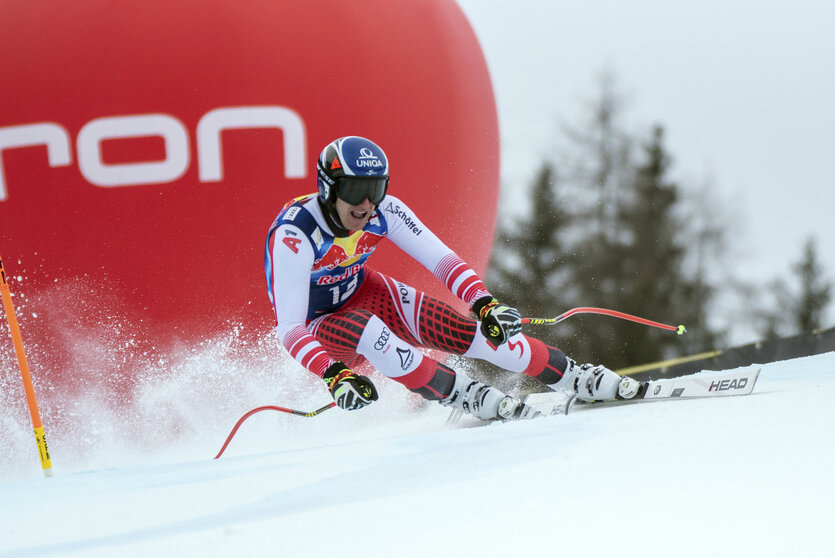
(606, 312)
(241, 420)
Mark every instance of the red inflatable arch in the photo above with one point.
(145, 148)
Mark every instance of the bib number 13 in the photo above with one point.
(342, 294)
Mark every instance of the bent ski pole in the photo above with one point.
(241, 420)
(606, 312)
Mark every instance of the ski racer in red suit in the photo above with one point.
(333, 311)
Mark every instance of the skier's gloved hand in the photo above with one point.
(350, 391)
(498, 322)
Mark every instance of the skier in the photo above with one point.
(333, 312)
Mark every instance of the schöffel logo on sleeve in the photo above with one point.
(413, 226)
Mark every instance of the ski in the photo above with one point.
(701, 384)
(544, 404)
(560, 402)
(717, 384)
(533, 405)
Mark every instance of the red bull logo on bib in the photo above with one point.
(346, 251)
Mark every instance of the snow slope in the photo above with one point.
(738, 476)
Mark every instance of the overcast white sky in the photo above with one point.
(744, 88)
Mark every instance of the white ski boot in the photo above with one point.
(595, 382)
(480, 400)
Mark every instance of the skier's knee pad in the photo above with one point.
(387, 352)
(395, 358)
(513, 355)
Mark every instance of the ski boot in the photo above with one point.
(479, 400)
(595, 382)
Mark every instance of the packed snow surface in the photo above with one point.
(733, 476)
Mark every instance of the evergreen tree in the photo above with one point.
(815, 291)
(528, 258)
(804, 310)
(599, 159)
(651, 256)
(648, 256)
(624, 242)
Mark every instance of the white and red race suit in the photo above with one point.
(329, 306)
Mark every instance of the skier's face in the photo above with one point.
(354, 217)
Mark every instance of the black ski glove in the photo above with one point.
(349, 390)
(498, 322)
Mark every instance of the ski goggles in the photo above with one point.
(354, 190)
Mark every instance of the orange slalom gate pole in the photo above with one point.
(31, 400)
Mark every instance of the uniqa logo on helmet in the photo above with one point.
(367, 159)
(361, 155)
